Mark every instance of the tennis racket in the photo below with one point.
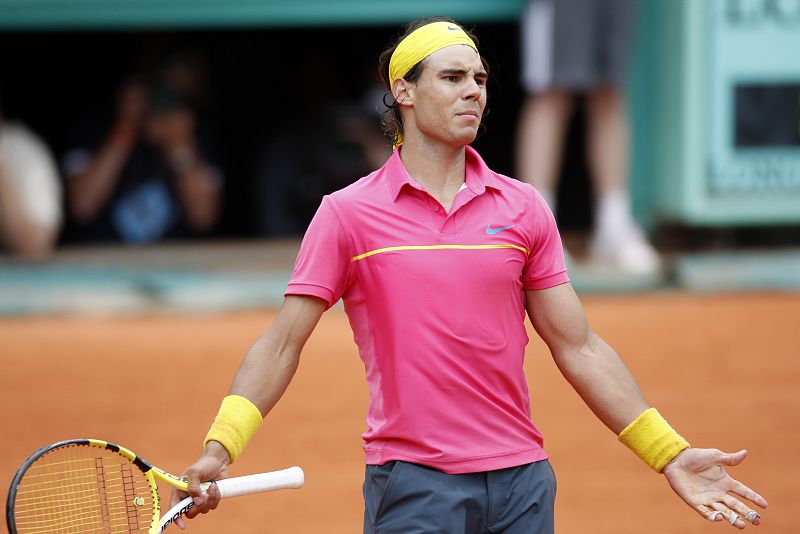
(91, 486)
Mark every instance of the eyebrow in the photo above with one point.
(461, 71)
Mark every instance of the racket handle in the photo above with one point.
(290, 478)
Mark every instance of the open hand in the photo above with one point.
(699, 478)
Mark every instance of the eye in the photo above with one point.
(451, 78)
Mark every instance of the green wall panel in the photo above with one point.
(137, 14)
(717, 112)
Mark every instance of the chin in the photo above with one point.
(466, 138)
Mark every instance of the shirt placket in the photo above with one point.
(440, 218)
(450, 225)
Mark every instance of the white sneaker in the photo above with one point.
(625, 249)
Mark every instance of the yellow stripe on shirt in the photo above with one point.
(436, 247)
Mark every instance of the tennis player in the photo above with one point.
(438, 259)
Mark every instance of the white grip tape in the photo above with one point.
(290, 478)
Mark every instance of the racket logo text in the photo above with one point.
(176, 515)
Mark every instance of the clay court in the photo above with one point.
(723, 369)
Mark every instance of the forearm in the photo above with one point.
(265, 372)
(198, 188)
(603, 381)
(608, 388)
(90, 189)
(260, 382)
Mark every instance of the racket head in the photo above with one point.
(83, 485)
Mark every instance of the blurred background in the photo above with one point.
(167, 123)
(161, 156)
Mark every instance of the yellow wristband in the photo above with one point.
(653, 439)
(236, 423)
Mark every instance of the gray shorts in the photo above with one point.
(576, 44)
(406, 498)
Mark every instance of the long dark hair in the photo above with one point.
(392, 122)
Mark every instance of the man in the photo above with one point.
(30, 194)
(574, 49)
(437, 259)
(146, 178)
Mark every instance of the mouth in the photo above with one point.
(474, 114)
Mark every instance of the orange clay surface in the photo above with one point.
(725, 370)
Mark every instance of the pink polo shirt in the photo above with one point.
(436, 301)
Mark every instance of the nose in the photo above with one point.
(473, 90)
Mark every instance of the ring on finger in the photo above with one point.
(733, 518)
(751, 515)
(712, 516)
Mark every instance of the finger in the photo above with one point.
(198, 494)
(200, 506)
(753, 517)
(193, 484)
(729, 515)
(732, 458)
(214, 496)
(708, 513)
(744, 511)
(743, 491)
(176, 496)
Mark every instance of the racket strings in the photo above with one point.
(83, 489)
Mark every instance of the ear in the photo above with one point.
(403, 92)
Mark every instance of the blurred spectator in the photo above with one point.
(147, 174)
(329, 143)
(574, 48)
(30, 194)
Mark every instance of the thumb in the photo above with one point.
(193, 482)
(733, 458)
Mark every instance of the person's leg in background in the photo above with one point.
(547, 109)
(571, 49)
(616, 239)
(540, 140)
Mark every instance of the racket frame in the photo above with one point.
(150, 472)
(292, 477)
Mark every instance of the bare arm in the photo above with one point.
(588, 363)
(198, 189)
(90, 188)
(270, 363)
(263, 376)
(196, 182)
(595, 371)
(26, 238)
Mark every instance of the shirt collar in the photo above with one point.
(479, 175)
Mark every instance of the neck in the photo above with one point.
(440, 169)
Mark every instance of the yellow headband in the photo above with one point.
(423, 42)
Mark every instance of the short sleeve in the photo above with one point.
(545, 266)
(323, 264)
